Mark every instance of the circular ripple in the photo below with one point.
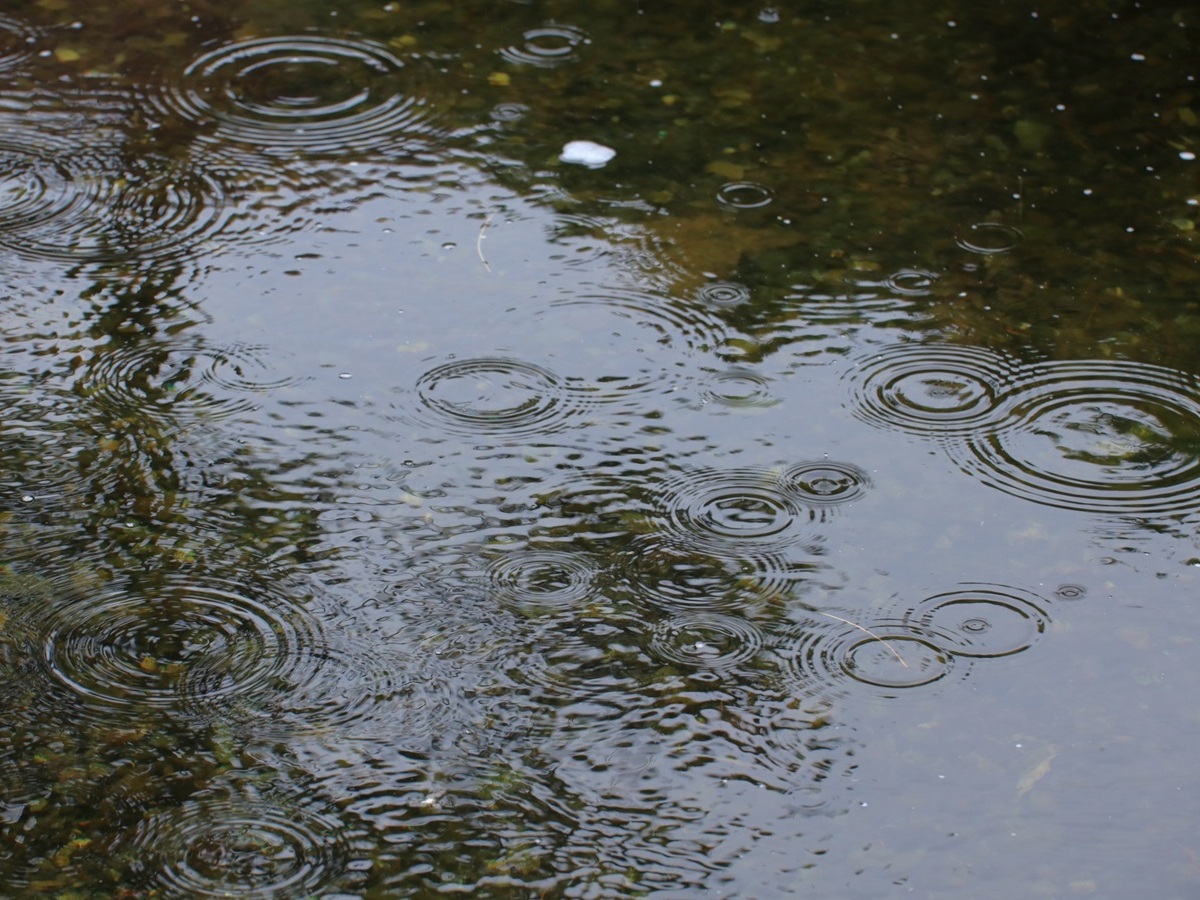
(911, 282)
(930, 389)
(723, 508)
(1070, 592)
(509, 112)
(551, 45)
(824, 482)
(627, 345)
(706, 641)
(239, 846)
(543, 579)
(984, 620)
(496, 395)
(17, 42)
(676, 575)
(125, 653)
(67, 204)
(893, 657)
(989, 237)
(153, 381)
(744, 195)
(738, 387)
(302, 94)
(1101, 436)
(588, 658)
(654, 316)
(242, 368)
(357, 689)
(723, 293)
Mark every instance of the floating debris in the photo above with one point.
(587, 153)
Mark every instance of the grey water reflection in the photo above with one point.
(394, 509)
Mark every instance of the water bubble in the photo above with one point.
(933, 390)
(1101, 436)
(987, 238)
(706, 641)
(984, 620)
(744, 195)
(551, 45)
(310, 94)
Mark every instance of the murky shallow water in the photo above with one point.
(801, 502)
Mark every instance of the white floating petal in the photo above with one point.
(587, 153)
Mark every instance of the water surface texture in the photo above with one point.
(800, 501)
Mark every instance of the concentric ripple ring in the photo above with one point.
(932, 390)
(985, 620)
(301, 94)
(1099, 436)
(239, 845)
(495, 395)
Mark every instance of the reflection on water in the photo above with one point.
(394, 510)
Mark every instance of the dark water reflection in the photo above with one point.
(803, 501)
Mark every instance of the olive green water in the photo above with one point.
(801, 503)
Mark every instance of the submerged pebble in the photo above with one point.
(586, 153)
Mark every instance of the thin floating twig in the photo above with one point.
(479, 241)
(867, 631)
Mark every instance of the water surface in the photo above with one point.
(801, 502)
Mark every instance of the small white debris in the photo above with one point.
(586, 153)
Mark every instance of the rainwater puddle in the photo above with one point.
(801, 502)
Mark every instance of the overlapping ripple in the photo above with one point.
(886, 656)
(18, 42)
(177, 383)
(61, 201)
(984, 620)
(584, 660)
(1100, 436)
(239, 843)
(746, 508)
(932, 390)
(707, 641)
(303, 94)
(667, 572)
(125, 653)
